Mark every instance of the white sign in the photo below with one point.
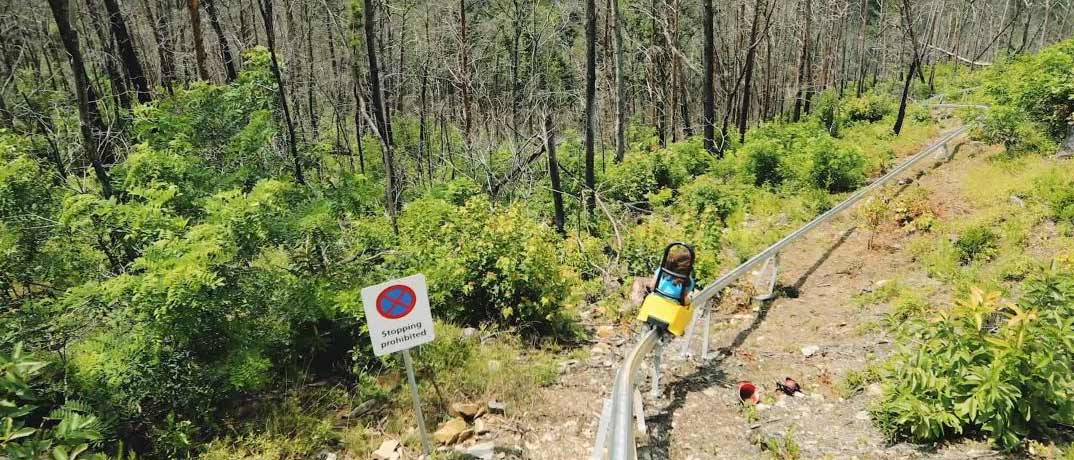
(398, 314)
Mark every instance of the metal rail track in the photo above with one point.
(622, 445)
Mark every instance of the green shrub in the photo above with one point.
(1040, 86)
(66, 432)
(827, 110)
(1011, 127)
(644, 244)
(645, 173)
(710, 197)
(976, 243)
(836, 169)
(486, 265)
(870, 108)
(228, 126)
(1056, 190)
(632, 180)
(761, 163)
(1002, 370)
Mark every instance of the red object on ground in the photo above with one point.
(747, 392)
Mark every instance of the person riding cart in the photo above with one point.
(667, 307)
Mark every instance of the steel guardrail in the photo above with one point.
(722, 282)
(622, 445)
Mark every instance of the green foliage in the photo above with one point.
(1013, 127)
(1056, 190)
(781, 447)
(1003, 370)
(804, 154)
(827, 110)
(869, 108)
(645, 173)
(228, 126)
(762, 162)
(485, 265)
(26, 201)
(836, 169)
(66, 432)
(211, 278)
(976, 243)
(711, 199)
(1040, 86)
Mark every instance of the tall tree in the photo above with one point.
(225, 48)
(620, 85)
(708, 90)
(804, 64)
(464, 77)
(908, 21)
(270, 34)
(164, 55)
(377, 98)
(751, 54)
(94, 133)
(590, 102)
(553, 173)
(863, 48)
(194, 6)
(126, 50)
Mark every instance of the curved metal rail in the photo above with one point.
(622, 442)
(622, 445)
(716, 286)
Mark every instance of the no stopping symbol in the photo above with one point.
(396, 301)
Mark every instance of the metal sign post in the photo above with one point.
(417, 402)
(399, 318)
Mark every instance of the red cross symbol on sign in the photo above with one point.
(396, 301)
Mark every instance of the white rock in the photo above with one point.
(481, 450)
(874, 389)
(810, 350)
(387, 450)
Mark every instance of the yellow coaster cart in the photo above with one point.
(667, 308)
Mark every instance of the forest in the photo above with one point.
(194, 192)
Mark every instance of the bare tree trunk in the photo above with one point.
(270, 33)
(167, 64)
(864, 47)
(199, 46)
(590, 102)
(751, 53)
(126, 51)
(620, 87)
(897, 129)
(708, 90)
(659, 81)
(803, 62)
(358, 134)
(553, 173)
(225, 49)
(94, 134)
(115, 76)
(311, 79)
(467, 108)
(377, 100)
(908, 20)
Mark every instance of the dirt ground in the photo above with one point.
(698, 415)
